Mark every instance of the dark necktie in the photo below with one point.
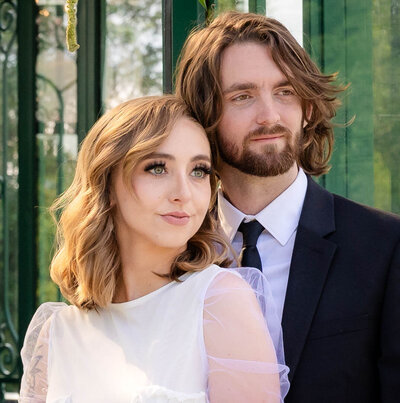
(250, 256)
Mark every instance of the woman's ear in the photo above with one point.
(111, 193)
(112, 198)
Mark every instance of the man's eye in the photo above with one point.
(241, 97)
(286, 92)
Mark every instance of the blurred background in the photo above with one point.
(49, 98)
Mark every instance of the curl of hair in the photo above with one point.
(198, 79)
(86, 265)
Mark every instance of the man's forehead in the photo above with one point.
(245, 64)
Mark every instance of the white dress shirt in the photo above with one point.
(275, 244)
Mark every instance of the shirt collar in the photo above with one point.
(280, 218)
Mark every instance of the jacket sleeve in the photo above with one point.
(389, 361)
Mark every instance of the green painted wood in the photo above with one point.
(27, 193)
(334, 59)
(185, 15)
(360, 135)
(339, 38)
(257, 6)
(167, 46)
(312, 30)
(312, 40)
(91, 31)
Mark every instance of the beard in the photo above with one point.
(267, 160)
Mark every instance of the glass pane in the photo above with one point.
(8, 198)
(386, 98)
(289, 13)
(238, 5)
(133, 63)
(57, 141)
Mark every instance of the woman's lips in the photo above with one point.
(176, 218)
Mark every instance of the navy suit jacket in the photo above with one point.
(341, 319)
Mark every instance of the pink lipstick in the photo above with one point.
(176, 218)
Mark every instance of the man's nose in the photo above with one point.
(267, 113)
(180, 188)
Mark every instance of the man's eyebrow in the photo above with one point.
(240, 87)
(251, 86)
(200, 157)
(284, 83)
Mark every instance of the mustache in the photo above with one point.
(264, 130)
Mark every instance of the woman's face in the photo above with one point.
(170, 192)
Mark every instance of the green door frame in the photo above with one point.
(27, 192)
(91, 31)
(338, 42)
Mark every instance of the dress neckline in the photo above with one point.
(150, 295)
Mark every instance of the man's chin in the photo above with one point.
(266, 164)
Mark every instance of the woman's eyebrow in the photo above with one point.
(171, 157)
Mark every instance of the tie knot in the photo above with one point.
(251, 231)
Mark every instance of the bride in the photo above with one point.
(153, 315)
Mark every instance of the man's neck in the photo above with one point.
(251, 194)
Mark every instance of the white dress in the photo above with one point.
(202, 339)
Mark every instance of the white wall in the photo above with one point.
(290, 14)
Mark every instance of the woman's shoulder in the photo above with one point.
(212, 274)
(44, 313)
(241, 277)
(39, 328)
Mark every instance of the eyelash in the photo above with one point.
(204, 168)
(155, 164)
(200, 167)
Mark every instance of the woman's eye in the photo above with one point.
(201, 172)
(156, 169)
(198, 173)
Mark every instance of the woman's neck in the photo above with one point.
(140, 264)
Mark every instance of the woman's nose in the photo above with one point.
(180, 191)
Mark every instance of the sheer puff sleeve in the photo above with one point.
(243, 340)
(34, 354)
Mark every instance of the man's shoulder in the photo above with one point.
(361, 211)
(351, 215)
(348, 213)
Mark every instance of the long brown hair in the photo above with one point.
(87, 263)
(198, 79)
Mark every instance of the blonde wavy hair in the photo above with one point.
(198, 80)
(86, 265)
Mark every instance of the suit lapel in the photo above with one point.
(311, 260)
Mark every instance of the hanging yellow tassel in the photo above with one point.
(70, 7)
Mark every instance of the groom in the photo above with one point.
(334, 265)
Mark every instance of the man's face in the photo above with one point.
(262, 119)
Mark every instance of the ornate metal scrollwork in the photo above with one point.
(8, 354)
(8, 335)
(8, 21)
